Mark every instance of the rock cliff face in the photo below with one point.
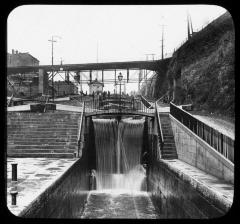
(203, 68)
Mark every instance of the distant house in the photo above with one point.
(21, 59)
(95, 87)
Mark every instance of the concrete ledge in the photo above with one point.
(68, 108)
(33, 107)
(40, 155)
(42, 196)
(202, 183)
(180, 190)
(196, 152)
(60, 99)
(31, 186)
(19, 108)
(62, 196)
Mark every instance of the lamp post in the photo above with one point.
(120, 77)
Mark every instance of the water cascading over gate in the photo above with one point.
(118, 153)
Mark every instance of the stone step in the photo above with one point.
(173, 156)
(44, 139)
(41, 140)
(56, 118)
(42, 147)
(33, 136)
(44, 125)
(34, 116)
(168, 137)
(41, 155)
(34, 132)
(169, 148)
(43, 130)
(29, 142)
(169, 144)
(169, 157)
(42, 118)
(41, 151)
(169, 141)
(44, 122)
(55, 113)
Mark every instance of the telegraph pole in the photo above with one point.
(97, 59)
(162, 40)
(52, 41)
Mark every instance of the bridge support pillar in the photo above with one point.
(43, 82)
(90, 76)
(67, 76)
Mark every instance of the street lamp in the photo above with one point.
(120, 77)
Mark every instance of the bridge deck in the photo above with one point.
(149, 65)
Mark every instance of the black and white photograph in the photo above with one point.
(120, 111)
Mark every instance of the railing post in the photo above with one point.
(14, 171)
(221, 143)
(14, 197)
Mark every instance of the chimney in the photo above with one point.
(12, 51)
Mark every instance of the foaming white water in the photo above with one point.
(118, 148)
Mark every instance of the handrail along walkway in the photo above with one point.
(220, 142)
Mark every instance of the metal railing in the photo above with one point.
(80, 132)
(220, 142)
(160, 133)
(146, 102)
(117, 105)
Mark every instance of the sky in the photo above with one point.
(103, 33)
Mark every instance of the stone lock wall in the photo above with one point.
(168, 192)
(65, 198)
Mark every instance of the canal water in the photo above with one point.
(120, 190)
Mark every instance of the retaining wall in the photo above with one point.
(196, 152)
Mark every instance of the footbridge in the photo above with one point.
(83, 73)
(148, 65)
(118, 106)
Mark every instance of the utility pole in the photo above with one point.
(52, 41)
(162, 40)
(97, 59)
(189, 26)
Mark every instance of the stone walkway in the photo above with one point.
(222, 126)
(35, 175)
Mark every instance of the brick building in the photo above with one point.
(21, 59)
(27, 84)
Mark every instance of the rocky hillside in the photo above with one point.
(203, 69)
